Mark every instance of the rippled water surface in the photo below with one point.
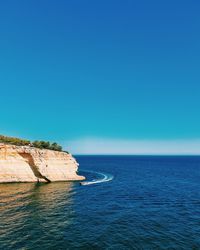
(145, 203)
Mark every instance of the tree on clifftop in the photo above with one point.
(47, 145)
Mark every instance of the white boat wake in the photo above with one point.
(103, 177)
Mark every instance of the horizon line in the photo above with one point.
(107, 146)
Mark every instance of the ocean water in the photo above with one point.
(127, 202)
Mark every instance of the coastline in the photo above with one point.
(29, 164)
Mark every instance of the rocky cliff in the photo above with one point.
(29, 164)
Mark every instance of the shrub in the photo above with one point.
(13, 140)
(37, 144)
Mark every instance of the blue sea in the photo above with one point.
(127, 202)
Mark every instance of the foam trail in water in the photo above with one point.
(104, 178)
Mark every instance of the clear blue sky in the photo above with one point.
(106, 69)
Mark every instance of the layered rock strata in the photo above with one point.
(29, 164)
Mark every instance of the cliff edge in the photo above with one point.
(29, 164)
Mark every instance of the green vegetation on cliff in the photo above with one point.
(14, 141)
(36, 144)
(47, 145)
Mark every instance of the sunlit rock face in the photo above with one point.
(29, 164)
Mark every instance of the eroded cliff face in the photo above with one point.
(28, 164)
